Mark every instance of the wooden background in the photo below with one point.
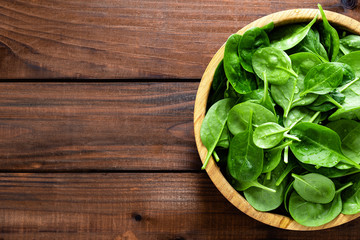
(96, 131)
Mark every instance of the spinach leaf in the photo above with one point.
(238, 119)
(241, 80)
(288, 191)
(314, 187)
(343, 127)
(243, 185)
(300, 114)
(332, 172)
(290, 166)
(322, 79)
(245, 159)
(350, 108)
(213, 125)
(325, 103)
(349, 133)
(257, 96)
(348, 74)
(273, 65)
(329, 37)
(288, 95)
(224, 140)
(350, 43)
(311, 43)
(263, 200)
(218, 85)
(289, 36)
(270, 134)
(272, 157)
(313, 214)
(230, 92)
(351, 196)
(252, 39)
(319, 146)
(268, 27)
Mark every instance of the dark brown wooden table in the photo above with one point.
(96, 138)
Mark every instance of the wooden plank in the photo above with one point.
(124, 39)
(97, 126)
(138, 205)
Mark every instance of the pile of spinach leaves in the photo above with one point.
(283, 119)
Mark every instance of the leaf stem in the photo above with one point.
(314, 116)
(288, 143)
(266, 87)
(257, 184)
(290, 71)
(343, 187)
(291, 101)
(268, 175)
(292, 137)
(216, 156)
(338, 105)
(351, 162)
(286, 154)
(283, 175)
(322, 59)
(343, 88)
(210, 151)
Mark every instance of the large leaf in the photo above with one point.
(252, 39)
(288, 94)
(213, 125)
(263, 200)
(241, 80)
(329, 37)
(289, 36)
(319, 146)
(272, 65)
(351, 106)
(322, 79)
(245, 159)
(238, 120)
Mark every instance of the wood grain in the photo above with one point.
(137, 205)
(97, 126)
(124, 39)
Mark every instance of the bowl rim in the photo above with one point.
(279, 18)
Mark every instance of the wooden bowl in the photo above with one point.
(279, 18)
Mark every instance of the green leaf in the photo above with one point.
(241, 80)
(252, 39)
(238, 119)
(288, 94)
(263, 200)
(329, 37)
(213, 125)
(349, 133)
(350, 43)
(313, 214)
(319, 146)
(351, 107)
(314, 187)
(351, 196)
(245, 159)
(272, 157)
(322, 79)
(270, 134)
(272, 64)
(218, 85)
(311, 43)
(289, 36)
